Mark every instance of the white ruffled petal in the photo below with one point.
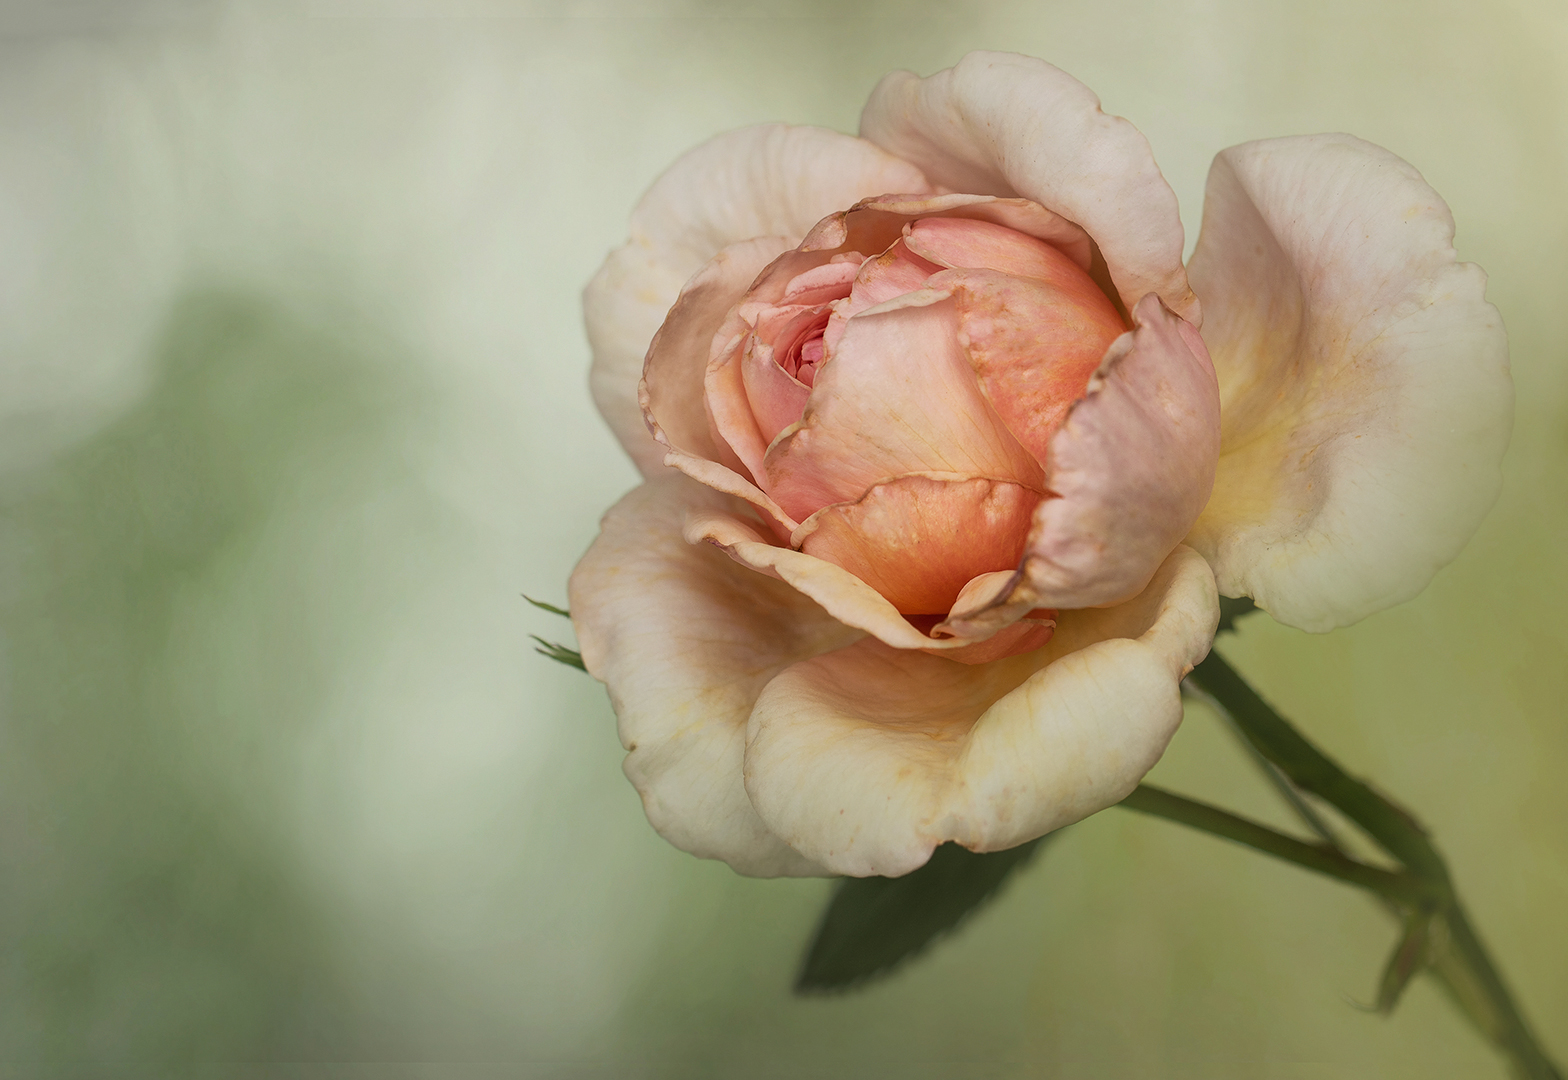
(1366, 400)
(866, 758)
(685, 640)
(1004, 124)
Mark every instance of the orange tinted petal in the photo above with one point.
(918, 540)
(1033, 343)
(897, 397)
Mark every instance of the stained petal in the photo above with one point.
(893, 273)
(1132, 466)
(1004, 124)
(918, 540)
(685, 640)
(866, 758)
(898, 397)
(773, 180)
(1367, 399)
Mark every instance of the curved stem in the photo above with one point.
(1281, 783)
(1464, 966)
(1393, 827)
(1158, 802)
(1452, 976)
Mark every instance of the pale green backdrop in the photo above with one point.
(293, 407)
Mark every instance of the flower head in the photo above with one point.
(939, 393)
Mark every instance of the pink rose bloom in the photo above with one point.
(943, 483)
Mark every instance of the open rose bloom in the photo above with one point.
(948, 456)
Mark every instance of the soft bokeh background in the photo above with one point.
(293, 390)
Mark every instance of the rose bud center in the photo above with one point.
(899, 405)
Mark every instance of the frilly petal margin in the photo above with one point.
(1367, 400)
(685, 640)
(1132, 466)
(866, 758)
(771, 180)
(1004, 124)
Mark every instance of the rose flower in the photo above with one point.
(943, 483)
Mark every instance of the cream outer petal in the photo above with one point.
(866, 758)
(1364, 379)
(771, 180)
(685, 640)
(1004, 124)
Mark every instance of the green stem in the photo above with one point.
(1395, 830)
(1281, 783)
(1464, 966)
(1406, 888)
(1454, 978)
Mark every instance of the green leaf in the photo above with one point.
(559, 653)
(551, 608)
(874, 924)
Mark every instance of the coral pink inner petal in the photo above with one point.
(820, 284)
(811, 353)
(1034, 344)
(731, 419)
(918, 540)
(981, 245)
(898, 396)
(776, 399)
(891, 274)
(790, 346)
(1133, 462)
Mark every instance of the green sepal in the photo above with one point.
(551, 608)
(559, 653)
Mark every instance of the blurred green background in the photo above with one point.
(293, 407)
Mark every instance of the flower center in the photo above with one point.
(799, 348)
(899, 406)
